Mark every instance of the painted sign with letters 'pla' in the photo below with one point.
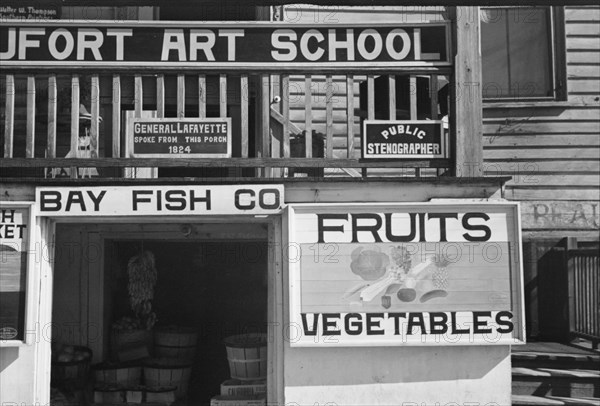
(440, 273)
(175, 200)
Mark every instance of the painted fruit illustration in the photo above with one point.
(370, 265)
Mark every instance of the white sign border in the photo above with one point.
(131, 145)
(443, 141)
(294, 300)
(31, 293)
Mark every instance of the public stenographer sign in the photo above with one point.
(412, 139)
(405, 274)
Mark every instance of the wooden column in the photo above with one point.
(466, 106)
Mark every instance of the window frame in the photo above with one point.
(557, 49)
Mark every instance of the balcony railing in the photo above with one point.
(286, 123)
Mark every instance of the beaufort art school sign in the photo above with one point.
(405, 274)
(251, 45)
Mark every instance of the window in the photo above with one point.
(518, 53)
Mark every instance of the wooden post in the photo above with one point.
(329, 116)
(466, 105)
(244, 94)
(201, 96)
(160, 96)
(52, 96)
(30, 126)
(350, 115)
(9, 123)
(116, 117)
(180, 96)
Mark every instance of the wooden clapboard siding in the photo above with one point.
(552, 149)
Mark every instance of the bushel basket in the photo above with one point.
(247, 356)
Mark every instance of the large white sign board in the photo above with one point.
(405, 274)
(159, 200)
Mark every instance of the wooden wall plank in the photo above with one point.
(535, 114)
(9, 121)
(590, 71)
(116, 116)
(542, 127)
(180, 96)
(541, 153)
(30, 126)
(582, 43)
(542, 140)
(534, 167)
(584, 86)
(245, 121)
(536, 180)
(550, 193)
(587, 56)
(329, 118)
(52, 110)
(581, 28)
(201, 96)
(582, 14)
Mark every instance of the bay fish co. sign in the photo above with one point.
(251, 45)
(159, 200)
(405, 274)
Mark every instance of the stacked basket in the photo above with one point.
(175, 348)
(247, 357)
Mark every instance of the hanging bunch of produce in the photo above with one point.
(142, 274)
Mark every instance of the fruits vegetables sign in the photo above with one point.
(405, 274)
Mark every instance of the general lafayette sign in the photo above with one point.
(264, 45)
(404, 139)
(396, 274)
(164, 137)
(159, 200)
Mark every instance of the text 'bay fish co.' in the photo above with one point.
(159, 200)
(397, 274)
(225, 44)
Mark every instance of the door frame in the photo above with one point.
(272, 228)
